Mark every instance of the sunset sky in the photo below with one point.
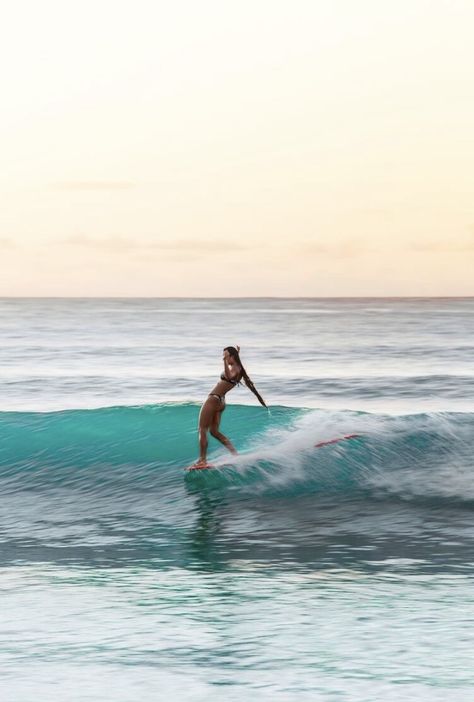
(266, 147)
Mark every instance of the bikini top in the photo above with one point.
(233, 382)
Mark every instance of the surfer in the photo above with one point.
(214, 404)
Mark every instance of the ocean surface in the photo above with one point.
(339, 573)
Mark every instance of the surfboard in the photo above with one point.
(335, 441)
(206, 466)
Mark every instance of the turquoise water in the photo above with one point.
(292, 573)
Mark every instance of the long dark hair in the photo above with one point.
(235, 355)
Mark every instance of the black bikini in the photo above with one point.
(232, 382)
(222, 397)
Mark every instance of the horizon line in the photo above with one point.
(236, 297)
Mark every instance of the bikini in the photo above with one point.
(232, 382)
(222, 397)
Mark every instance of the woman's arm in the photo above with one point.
(231, 370)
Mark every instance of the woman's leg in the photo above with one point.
(206, 416)
(203, 443)
(218, 435)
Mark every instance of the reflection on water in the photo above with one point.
(210, 532)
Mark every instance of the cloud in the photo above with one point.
(350, 248)
(121, 244)
(94, 185)
(199, 245)
(465, 245)
(6, 243)
(112, 243)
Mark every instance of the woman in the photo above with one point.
(214, 405)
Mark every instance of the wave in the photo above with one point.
(124, 451)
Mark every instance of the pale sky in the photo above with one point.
(265, 147)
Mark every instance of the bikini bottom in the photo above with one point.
(219, 397)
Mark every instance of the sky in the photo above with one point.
(266, 147)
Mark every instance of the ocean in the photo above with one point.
(339, 573)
